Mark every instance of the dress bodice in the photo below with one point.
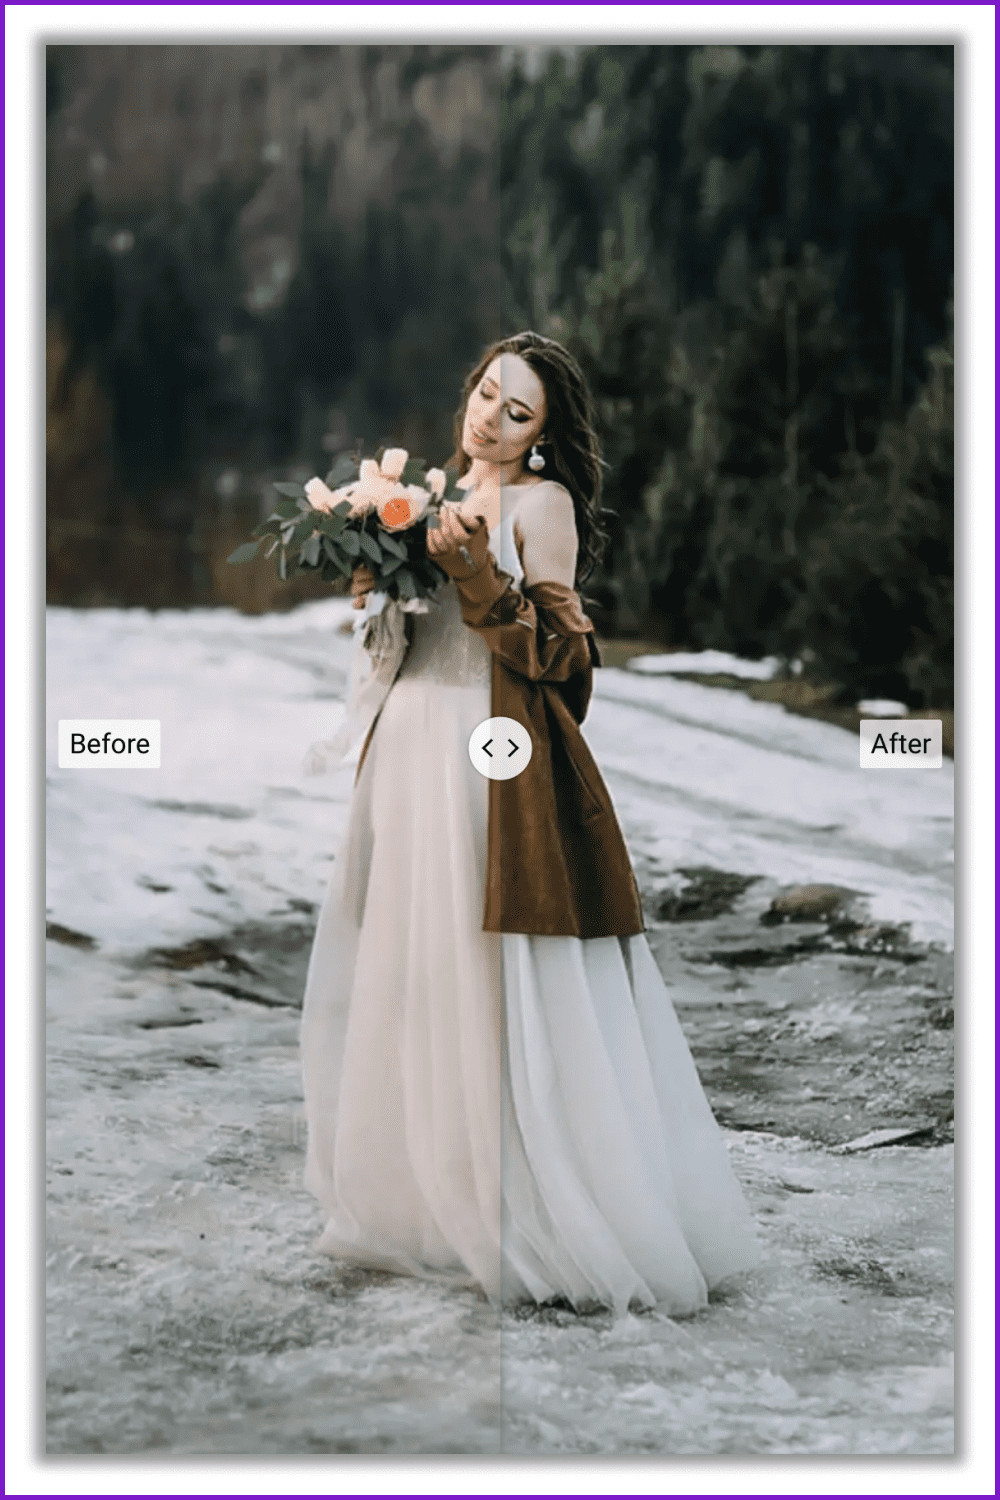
(504, 549)
(444, 649)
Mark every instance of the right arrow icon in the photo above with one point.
(486, 748)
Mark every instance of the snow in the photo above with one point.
(702, 776)
(230, 824)
(707, 664)
(189, 1312)
(882, 708)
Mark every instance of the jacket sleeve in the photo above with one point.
(540, 633)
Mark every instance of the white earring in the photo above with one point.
(536, 461)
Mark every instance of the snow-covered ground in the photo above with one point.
(706, 664)
(234, 829)
(188, 1311)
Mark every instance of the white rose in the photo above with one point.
(419, 499)
(394, 462)
(319, 497)
(369, 471)
(435, 480)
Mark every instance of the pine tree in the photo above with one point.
(878, 610)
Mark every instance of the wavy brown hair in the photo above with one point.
(570, 447)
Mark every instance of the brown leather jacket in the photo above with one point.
(557, 864)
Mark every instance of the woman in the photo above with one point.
(497, 1087)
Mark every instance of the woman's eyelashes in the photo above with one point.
(515, 416)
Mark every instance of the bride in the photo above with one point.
(497, 1088)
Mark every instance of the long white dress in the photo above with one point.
(516, 1112)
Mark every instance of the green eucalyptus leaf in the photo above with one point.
(413, 471)
(336, 557)
(350, 542)
(407, 583)
(389, 544)
(310, 552)
(286, 508)
(390, 564)
(342, 508)
(370, 548)
(293, 491)
(244, 553)
(344, 471)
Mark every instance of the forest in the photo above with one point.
(260, 256)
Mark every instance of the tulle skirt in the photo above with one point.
(520, 1113)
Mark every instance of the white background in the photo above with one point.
(27, 27)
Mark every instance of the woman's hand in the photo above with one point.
(459, 544)
(362, 583)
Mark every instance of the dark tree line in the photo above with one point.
(749, 249)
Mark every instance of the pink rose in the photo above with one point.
(362, 502)
(406, 504)
(394, 462)
(435, 480)
(319, 497)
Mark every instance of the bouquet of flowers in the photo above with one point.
(374, 511)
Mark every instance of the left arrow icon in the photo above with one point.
(486, 748)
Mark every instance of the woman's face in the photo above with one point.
(506, 411)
